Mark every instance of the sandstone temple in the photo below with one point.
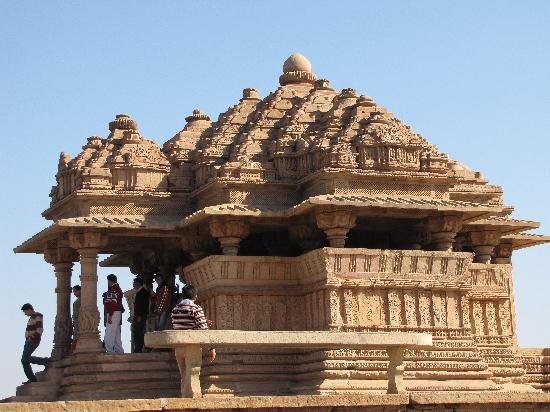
(309, 209)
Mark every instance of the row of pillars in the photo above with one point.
(62, 253)
(83, 247)
(437, 233)
(229, 231)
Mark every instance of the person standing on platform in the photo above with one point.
(33, 334)
(76, 310)
(113, 309)
(163, 303)
(141, 311)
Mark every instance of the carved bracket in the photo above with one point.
(229, 231)
(503, 253)
(336, 225)
(483, 243)
(443, 229)
(87, 240)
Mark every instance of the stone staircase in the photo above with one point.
(102, 376)
(536, 362)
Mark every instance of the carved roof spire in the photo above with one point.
(123, 122)
(297, 69)
(198, 114)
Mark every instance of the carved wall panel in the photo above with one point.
(441, 293)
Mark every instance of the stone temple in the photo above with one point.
(309, 209)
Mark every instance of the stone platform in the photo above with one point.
(436, 401)
(103, 376)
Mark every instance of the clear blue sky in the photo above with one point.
(472, 77)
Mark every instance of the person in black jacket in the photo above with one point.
(141, 311)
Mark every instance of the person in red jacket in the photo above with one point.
(113, 313)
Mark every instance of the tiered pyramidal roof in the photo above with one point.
(303, 145)
(303, 127)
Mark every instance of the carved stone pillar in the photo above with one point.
(62, 258)
(502, 253)
(229, 231)
(336, 225)
(88, 245)
(443, 230)
(483, 243)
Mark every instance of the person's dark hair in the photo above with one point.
(139, 281)
(76, 287)
(27, 306)
(189, 292)
(112, 278)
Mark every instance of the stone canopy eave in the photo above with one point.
(524, 240)
(147, 226)
(362, 204)
(505, 226)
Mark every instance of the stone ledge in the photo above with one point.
(415, 401)
(212, 403)
(472, 398)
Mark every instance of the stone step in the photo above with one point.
(24, 398)
(36, 389)
(121, 376)
(123, 387)
(135, 394)
(84, 369)
(91, 358)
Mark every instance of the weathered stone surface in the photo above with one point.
(314, 339)
(419, 244)
(374, 402)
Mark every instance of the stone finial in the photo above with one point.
(297, 69)
(296, 63)
(378, 117)
(198, 114)
(64, 160)
(123, 122)
(251, 94)
(348, 93)
(323, 84)
(93, 142)
(365, 101)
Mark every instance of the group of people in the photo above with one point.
(186, 314)
(140, 300)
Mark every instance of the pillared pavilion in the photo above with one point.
(308, 209)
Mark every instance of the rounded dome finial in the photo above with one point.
(297, 69)
(296, 63)
(123, 122)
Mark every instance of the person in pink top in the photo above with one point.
(113, 313)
